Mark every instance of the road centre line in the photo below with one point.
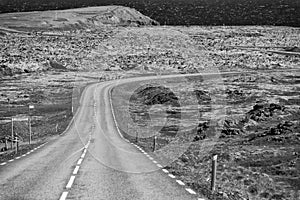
(79, 161)
(70, 183)
(83, 155)
(64, 196)
(76, 169)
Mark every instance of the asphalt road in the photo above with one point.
(109, 168)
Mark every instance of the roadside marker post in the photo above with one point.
(17, 145)
(214, 172)
(154, 143)
(8, 101)
(29, 122)
(12, 132)
(17, 119)
(6, 147)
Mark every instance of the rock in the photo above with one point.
(201, 135)
(281, 128)
(5, 70)
(260, 112)
(3, 149)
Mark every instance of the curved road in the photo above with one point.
(110, 168)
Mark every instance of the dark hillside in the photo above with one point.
(185, 12)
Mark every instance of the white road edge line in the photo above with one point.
(76, 169)
(70, 183)
(3, 163)
(64, 196)
(17, 157)
(164, 170)
(10, 160)
(158, 165)
(190, 191)
(180, 182)
(171, 175)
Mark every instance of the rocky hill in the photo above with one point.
(81, 18)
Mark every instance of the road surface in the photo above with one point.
(109, 168)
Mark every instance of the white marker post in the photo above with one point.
(154, 143)
(214, 172)
(29, 122)
(6, 147)
(12, 132)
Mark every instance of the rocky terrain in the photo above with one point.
(256, 136)
(257, 140)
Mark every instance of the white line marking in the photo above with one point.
(154, 161)
(180, 182)
(70, 183)
(76, 169)
(11, 160)
(23, 155)
(84, 151)
(145, 153)
(158, 165)
(201, 199)
(171, 175)
(3, 163)
(18, 157)
(151, 158)
(164, 170)
(63, 196)
(190, 190)
(83, 155)
(79, 161)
